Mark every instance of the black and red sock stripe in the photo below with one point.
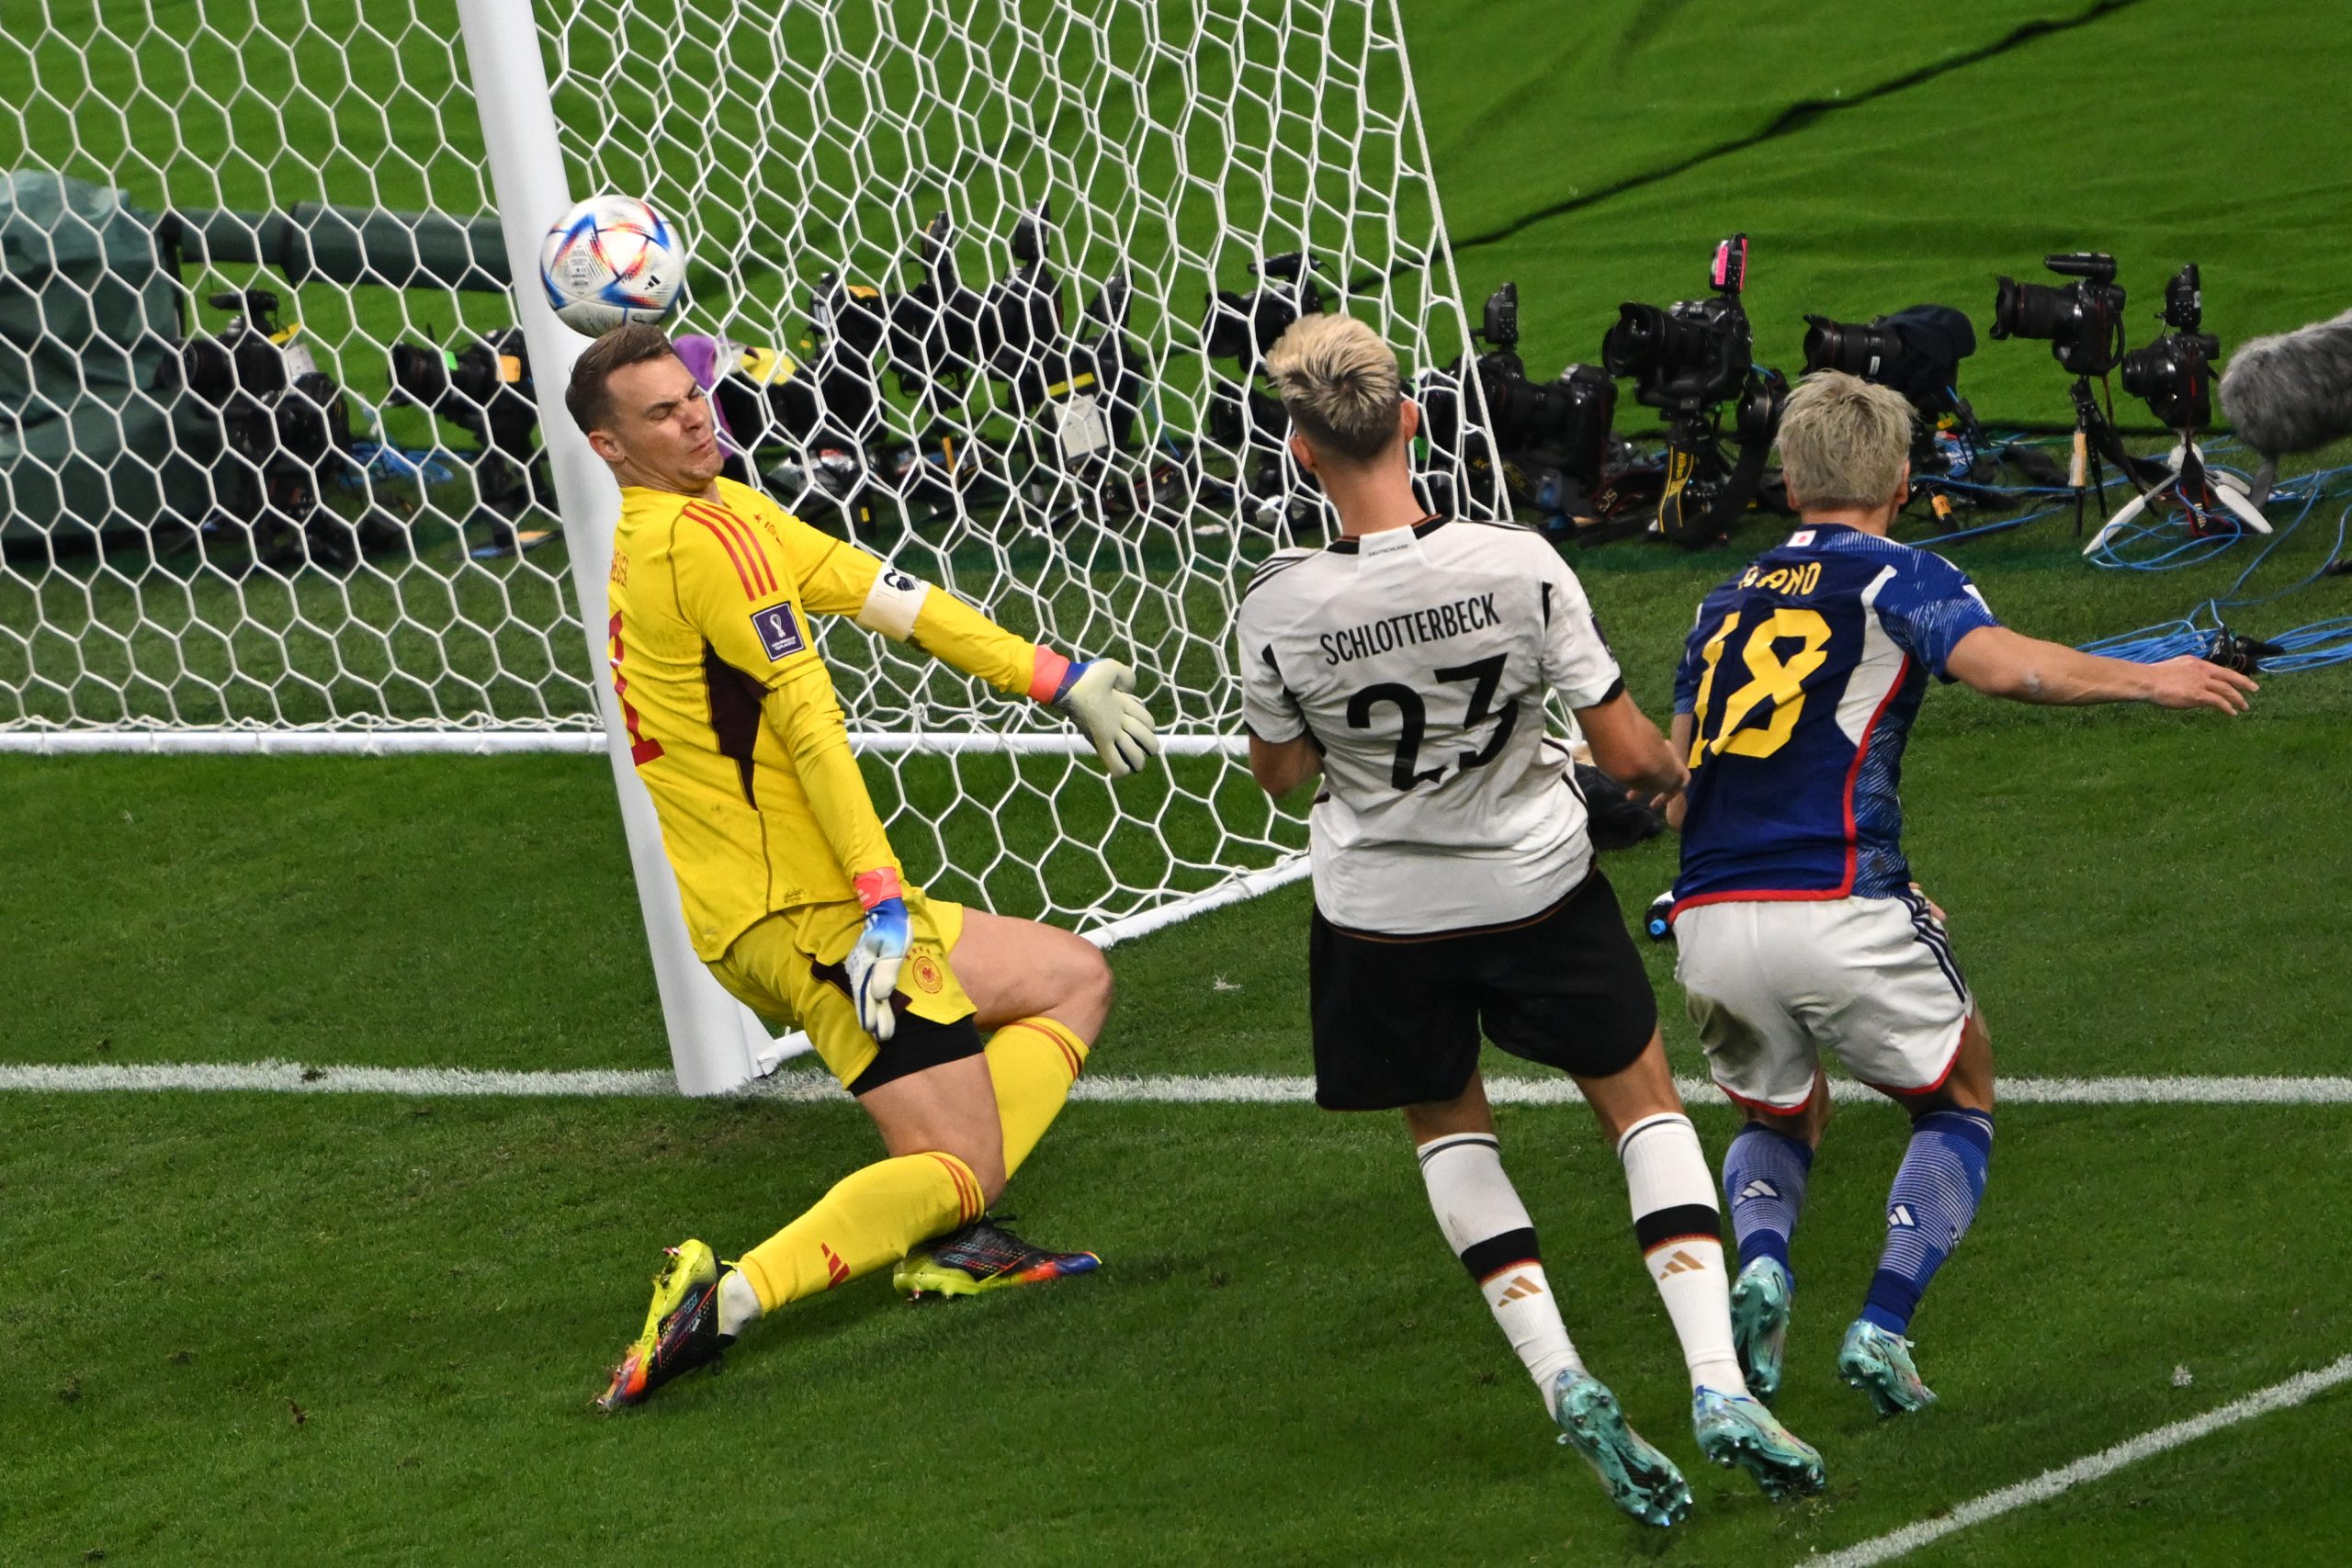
(1511, 1249)
(1683, 1222)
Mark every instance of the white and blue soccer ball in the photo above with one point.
(610, 261)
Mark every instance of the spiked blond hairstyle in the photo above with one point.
(1339, 383)
(1843, 441)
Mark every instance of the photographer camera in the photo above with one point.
(287, 423)
(2082, 323)
(2174, 376)
(1244, 418)
(1686, 360)
(485, 389)
(1551, 439)
(1917, 352)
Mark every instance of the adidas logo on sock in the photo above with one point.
(1759, 1188)
(1680, 1262)
(1521, 1289)
(1900, 1215)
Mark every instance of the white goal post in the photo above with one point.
(978, 283)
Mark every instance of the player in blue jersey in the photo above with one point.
(1798, 924)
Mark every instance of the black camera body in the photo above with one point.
(287, 421)
(2175, 374)
(2082, 320)
(485, 388)
(1690, 355)
(1551, 439)
(1247, 326)
(1688, 360)
(933, 328)
(1241, 415)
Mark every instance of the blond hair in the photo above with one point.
(1844, 442)
(1339, 384)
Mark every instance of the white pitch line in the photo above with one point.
(2050, 1484)
(808, 1085)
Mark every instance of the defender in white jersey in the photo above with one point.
(1408, 661)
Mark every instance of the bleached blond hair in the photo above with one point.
(1340, 386)
(1844, 442)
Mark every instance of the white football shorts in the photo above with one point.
(1772, 984)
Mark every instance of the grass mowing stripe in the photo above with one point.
(803, 1086)
(2050, 1482)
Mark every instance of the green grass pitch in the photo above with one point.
(267, 1329)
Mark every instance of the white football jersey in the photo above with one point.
(1418, 658)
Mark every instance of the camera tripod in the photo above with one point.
(2204, 493)
(2095, 444)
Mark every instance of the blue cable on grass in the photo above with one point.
(2315, 646)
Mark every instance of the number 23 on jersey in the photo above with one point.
(1778, 651)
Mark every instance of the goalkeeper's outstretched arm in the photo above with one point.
(1098, 693)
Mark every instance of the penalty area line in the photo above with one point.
(810, 1084)
(2278, 1396)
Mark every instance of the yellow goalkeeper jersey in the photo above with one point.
(732, 719)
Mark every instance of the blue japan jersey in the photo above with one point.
(1803, 675)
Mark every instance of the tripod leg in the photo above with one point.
(2240, 507)
(2132, 508)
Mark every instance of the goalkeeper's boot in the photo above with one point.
(1641, 1481)
(1735, 1429)
(1759, 1323)
(681, 1327)
(982, 1256)
(1879, 1363)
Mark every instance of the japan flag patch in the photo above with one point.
(779, 631)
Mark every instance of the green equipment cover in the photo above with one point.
(89, 398)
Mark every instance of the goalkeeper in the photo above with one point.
(792, 895)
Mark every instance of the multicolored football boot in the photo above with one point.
(1641, 1481)
(681, 1327)
(982, 1256)
(1759, 1323)
(1879, 1363)
(1735, 1429)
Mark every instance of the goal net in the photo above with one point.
(953, 272)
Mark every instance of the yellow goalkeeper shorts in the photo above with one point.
(788, 968)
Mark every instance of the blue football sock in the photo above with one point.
(1764, 1178)
(1929, 1208)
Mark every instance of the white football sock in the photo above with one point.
(1488, 1229)
(1679, 1229)
(739, 1305)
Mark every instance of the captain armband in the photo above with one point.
(892, 603)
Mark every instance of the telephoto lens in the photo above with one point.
(2029, 310)
(1863, 351)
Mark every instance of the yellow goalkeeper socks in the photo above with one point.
(1033, 1061)
(870, 1218)
(873, 1216)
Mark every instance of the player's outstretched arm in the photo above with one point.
(2003, 663)
(1098, 693)
(1628, 748)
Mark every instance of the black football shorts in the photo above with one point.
(1397, 1018)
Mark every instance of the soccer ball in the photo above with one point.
(610, 261)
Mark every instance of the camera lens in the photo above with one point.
(2030, 310)
(1864, 350)
(1641, 339)
(418, 373)
(2149, 371)
(208, 369)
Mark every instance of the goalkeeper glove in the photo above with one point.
(1099, 694)
(872, 966)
